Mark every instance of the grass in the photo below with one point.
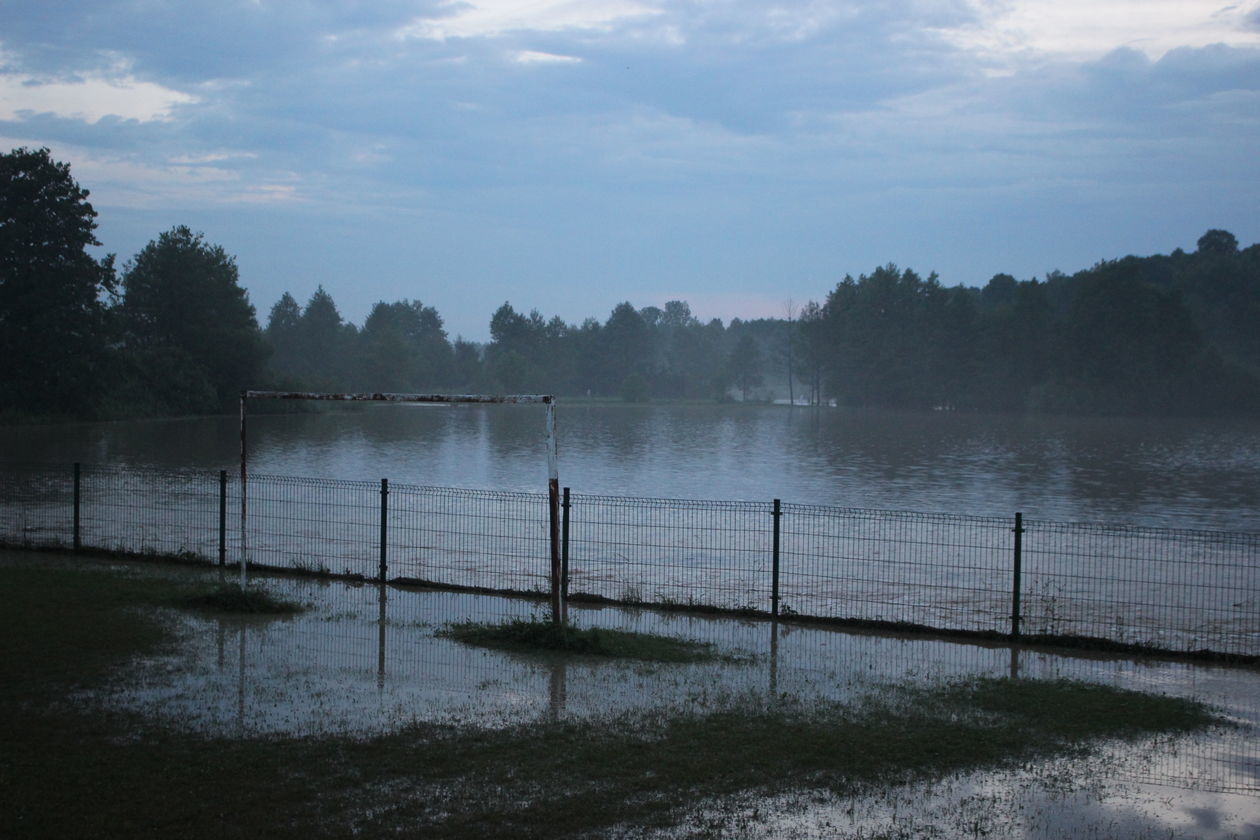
(233, 598)
(545, 636)
(72, 769)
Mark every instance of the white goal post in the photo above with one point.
(559, 610)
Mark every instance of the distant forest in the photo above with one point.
(173, 332)
(1175, 334)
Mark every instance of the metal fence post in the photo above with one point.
(384, 526)
(1015, 584)
(565, 505)
(222, 517)
(774, 579)
(78, 542)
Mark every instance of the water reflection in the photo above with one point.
(1178, 472)
(366, 660)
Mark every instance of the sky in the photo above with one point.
(567, 155)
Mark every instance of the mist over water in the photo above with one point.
(1193, 473)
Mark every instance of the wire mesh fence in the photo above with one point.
(38, 505)
(895, 566)
(481, 539)
(146, 511)
(1165, 588)
(308, 524)
(664, 551)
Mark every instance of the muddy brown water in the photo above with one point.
(365, 659)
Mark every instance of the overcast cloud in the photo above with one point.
(568, 155)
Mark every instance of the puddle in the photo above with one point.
(365, 659)
(1055, 800)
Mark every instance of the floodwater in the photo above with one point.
(1172, 472)
(365, 659)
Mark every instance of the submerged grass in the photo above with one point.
(234, 598)
(540, 635)
(71, 769)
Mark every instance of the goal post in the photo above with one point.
(559, 609)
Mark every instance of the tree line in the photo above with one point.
(1172, 334)
(173, 332)
(635, 354)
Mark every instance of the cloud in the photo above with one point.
(1013, 29)
(211, 157)
(123, 180)
(686, 144)
(491, 18)
(536, 57)
(91, 98)
(198, 40)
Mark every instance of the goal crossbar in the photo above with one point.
(510, 399)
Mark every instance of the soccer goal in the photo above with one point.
(558, 607)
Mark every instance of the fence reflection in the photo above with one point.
(367, 658)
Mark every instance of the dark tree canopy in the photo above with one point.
(323, 343)
(53, 333)
(1218, 242)
(283, 327)
(743, 365)
(190, 326)
(403, 348)
(627, 350)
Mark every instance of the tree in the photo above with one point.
(468, 370)
(682, 369)
(885, 331)
(627, 350)
(1131, 348)
(189, 324)
(999, 292)
(743, 366)
(789, 364)
(282, 334)
(1217, 241)
(812, 351)
(324, 343)
(404, 348)
(515, 349)
(53, 335)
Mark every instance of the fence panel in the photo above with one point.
(38, 505)
(705, 553)
(148, 511)
(479, 538)
(1181, 590)
(315, 525)
(951, 572)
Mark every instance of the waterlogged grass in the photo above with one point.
(544, 636)
(233, 598)
(69, 769)
(60, 627)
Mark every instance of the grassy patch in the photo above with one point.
(62, 626)
(233, 598)
(75, 770)
(537, 635)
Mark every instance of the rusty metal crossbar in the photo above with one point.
(503, 399)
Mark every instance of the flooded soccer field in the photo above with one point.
(366, 660)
